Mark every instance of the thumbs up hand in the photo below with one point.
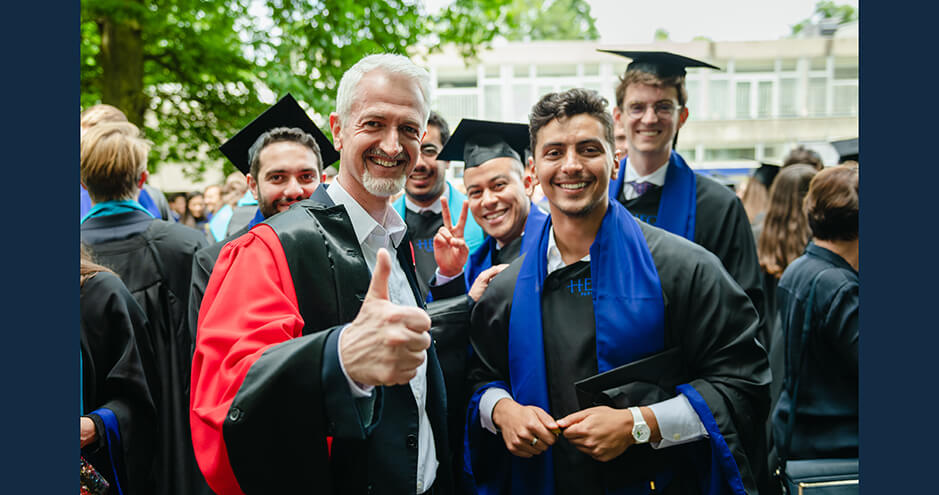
(385, 343)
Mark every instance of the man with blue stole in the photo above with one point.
(421, 205)
(281, 153)
(600, 291)
(655, 183)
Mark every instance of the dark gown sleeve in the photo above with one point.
(202, 263)
(118, 369)
(714, 323)
(258, 418)
(841, 324)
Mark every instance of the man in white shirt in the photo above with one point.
(313, 369)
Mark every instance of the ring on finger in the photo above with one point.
(534, 441)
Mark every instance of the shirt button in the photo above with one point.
(411, 441)
(234, 414)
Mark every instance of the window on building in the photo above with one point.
(846, 99)
(764, 99)
(687, 153)
(846, 68)
(492, 106)
(694, 97)
(492, 71)
(719, 100)
(521, 70)
(721, 154)
(788, 104)
(743, 100)
(591, 69)
(818, 63)
(816, 96)
(788, 64)
(521, 102)
(456, 107)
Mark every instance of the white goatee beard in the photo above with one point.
(383, 187)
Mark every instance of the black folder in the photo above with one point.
(639, 383)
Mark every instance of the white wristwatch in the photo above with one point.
(641, 431)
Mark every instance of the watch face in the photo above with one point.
(641, 433)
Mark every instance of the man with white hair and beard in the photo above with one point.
(313, 367)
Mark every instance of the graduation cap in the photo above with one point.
(477, 141)
(285, 113)
(847, 149)
(765, 173)
(661, 64)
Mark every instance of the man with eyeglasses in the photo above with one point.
(420, 206)
(657, 186)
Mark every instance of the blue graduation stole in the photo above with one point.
(113, 208)
(481, 258)
(258, 218)
(678, 205)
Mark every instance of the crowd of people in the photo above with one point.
(582, 314)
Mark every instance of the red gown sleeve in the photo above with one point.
(249, 305)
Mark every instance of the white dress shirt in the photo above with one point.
(657, 178)
(372, 236)
(678, 423)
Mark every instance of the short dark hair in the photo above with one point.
(801, 154)
(832, 204)
(437, 120)
(569, 103)
(276, 135)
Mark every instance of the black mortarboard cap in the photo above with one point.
(766, 173)
(477, 141)
(847, 149)
(285, 113)
(662, 64)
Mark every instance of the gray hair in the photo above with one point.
(388, 62)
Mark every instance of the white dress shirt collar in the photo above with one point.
(555, 261)
(363, 223)
(657, 177)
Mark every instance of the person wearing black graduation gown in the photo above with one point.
(499, 196)
(421, 206)
(640, 290)
(826, 423)
(117, 369)
(651, 105)
(153, 257)
(290, 173)
(307, 376)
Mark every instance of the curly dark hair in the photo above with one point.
(569, 103)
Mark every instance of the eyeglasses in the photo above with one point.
(663, 109)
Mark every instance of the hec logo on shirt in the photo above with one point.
(649, 219)
(580, 287)
(426, 245)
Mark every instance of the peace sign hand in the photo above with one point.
(450, 250)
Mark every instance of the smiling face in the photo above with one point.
(379, 142)
(498, 196)
(574, 164)
(650, 132)
(425, 183)
(287, 173)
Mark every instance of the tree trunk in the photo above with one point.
(121, 59)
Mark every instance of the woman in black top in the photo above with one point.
(826, 422)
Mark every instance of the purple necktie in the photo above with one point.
(640, 188)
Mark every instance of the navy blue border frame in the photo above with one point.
(898, 343)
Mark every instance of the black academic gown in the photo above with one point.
(293, 396)
(422, 227)
(721, 227)
(827, 421)
(707, 316)
(117, 363)
(154, 260)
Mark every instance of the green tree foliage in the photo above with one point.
(191, 72)
(827, 9)
(660, 35)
